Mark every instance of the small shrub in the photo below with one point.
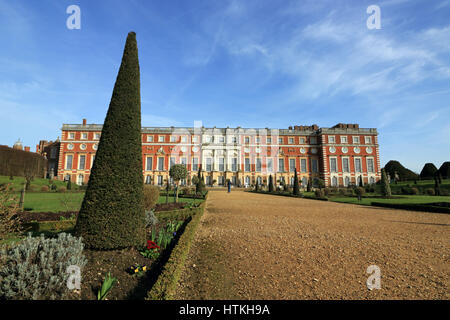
(405, 190)
(414, 191)
(319, 193)
(8, 209)
(327, 192)
(44, 189)
(62, 189)
(342, 192)
(151, 196)
(187, 191)
(430, 192)
(150, 218)
(36, 268)
(360, 191)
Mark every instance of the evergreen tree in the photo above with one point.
(69, 184)
(112, 213)
(444, 170)
(178, 172)
(437, 189)
(271, 187)
(167, 190)
(296, 190)
(309, 185)
(428, 172)
(404, 174)
(385, 187)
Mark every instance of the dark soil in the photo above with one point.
(128, 286)
(44, 216)
(27, 216)
(170, 206)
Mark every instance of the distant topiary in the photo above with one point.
(177, 173)
(404, 174)
(150, 218)
(36, 268)
(444, 170)
(151, 196)
(69, 184)
(428, 172)
(112, 213)
(385, 186)
(271, 186)
(296, 188)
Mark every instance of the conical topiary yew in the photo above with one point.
(112, 212)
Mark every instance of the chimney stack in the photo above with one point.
(27, 149)
(84, 122)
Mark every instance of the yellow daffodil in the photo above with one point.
(144, 268)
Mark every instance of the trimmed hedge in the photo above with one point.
(50, 226)
(112, 212)
(426, 207)
(176, 214)
(165, 286)
(290, 195)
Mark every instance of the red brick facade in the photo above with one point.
(339, 155)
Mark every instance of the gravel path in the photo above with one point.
(254, 246)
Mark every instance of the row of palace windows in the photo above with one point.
(357, 165)
(81, 162)
(221, 139)
(334, 181)
(234, 164)
(83, 135)
(355, 139)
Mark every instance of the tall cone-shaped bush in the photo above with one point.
(112, 213)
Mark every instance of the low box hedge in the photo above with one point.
(289, 195)
(426, 207)
(165, 286)
(176, 214)
(50, 226)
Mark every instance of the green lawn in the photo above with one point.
(53, 201)
(402, 200)
(420, 184)
(36, 184)
(69, 201)
(162, 199)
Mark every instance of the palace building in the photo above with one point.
(341, 155)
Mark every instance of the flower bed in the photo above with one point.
(165, 285)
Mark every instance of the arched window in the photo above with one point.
(315, 182)
(304, 182)
(80, 179)
(247, 181)
(334, 182)
(346, 181)
(148, 179)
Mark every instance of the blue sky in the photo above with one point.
(249, 63)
